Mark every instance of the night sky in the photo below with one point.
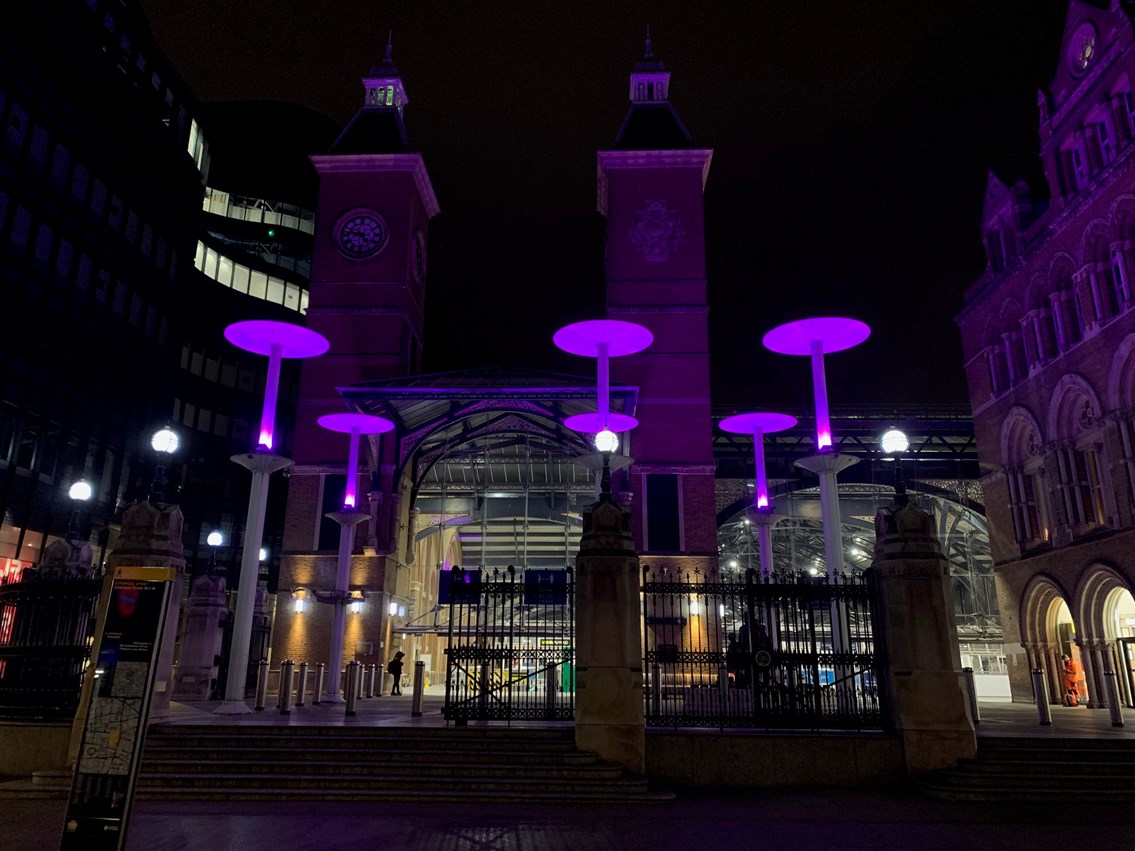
(851, 143)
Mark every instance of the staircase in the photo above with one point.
(1040, 769)
(268, 763)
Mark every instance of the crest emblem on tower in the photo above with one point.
(657, 230)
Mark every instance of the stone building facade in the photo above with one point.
(1049, 338)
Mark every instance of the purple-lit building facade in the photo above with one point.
(367, 296)
(1050, 358)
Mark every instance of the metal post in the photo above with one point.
(261, 684)
(359, 684)
(723, 688)
(352, 685)
(550, 676)
(287, 671)
(1113, 704)
(379, 674)
(419, 686)
(1040, 689)
(370, 681)
(320, 675)
(656, 688)
(971, 693)
(301, 684)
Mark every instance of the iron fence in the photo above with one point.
(511, 645)
(45, 632)
(790, 651)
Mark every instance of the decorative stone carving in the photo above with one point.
(657, 230)
(1087, 415)
(1034, 445)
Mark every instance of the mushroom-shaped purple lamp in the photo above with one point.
(354, 425)
(602, 339)
(816, 337)
(758, 424)
(277, 340)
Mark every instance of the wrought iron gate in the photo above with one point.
(796, 651)
(511, 645)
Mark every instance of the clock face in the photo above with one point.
(1082, 48)
(360, 234)
(419, 256)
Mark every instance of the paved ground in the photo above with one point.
(735, 820)
(727, 819)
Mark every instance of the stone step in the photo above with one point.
(1046, 743)
(338, 731)
(998, 792)
(388, 753)
(309, 768)
(1070, 768)
(642, 794)
(224, 742)
(318, 783)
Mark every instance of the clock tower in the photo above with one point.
(367, 296)
(650, 191)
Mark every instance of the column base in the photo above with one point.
(333, 698)
(232, 707)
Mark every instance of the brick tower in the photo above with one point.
(368, 298)
(650, 190)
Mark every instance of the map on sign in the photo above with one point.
(114, 722)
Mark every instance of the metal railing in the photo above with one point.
(511, 645)
(796, 651)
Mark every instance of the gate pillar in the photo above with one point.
(922, 669)
(608, 701)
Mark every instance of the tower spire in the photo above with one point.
(648, 50)
(383, 83)
(650, 81)
(388, 58)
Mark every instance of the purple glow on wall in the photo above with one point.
(758, 424)
(816, 337)
(277, 340)
(355, 425)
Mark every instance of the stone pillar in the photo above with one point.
(608, 701)
(201, 643)
(919, 641)
(151, 537)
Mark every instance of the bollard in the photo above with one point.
(370, 681)
(971, 693)
(379, 673)
(359, 688)
(419, 686)
(1040, 689)
(550, 690)
(320, 675)
(261, 684)
(1113, 704)
(287, 678)
(656, 687)
(723, 688)
(301, 684)
(352, 686)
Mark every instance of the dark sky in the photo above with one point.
(851, 142)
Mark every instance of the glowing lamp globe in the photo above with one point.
(894, 442)
(606, 441)
(80, 491)
(164, 441)
(215, 539)
(264, 554)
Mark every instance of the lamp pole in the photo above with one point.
(894, 444)
(348, 518)
(277, 340)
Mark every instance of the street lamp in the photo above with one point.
(79, 493)
(606, 442)
(164, 442)
(214, 540)
(894, 444)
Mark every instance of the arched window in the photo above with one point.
(1084, 480)
(1023, 454)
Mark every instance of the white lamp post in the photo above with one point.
(164, 442)
(894, 443)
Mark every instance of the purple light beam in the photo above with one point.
(354, 425)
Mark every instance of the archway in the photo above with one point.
(1106, 610)
(1048, 634)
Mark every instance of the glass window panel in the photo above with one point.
(224, 270)
(258, 285)
(275, 291)
(240, 278)
(210, 263)
(292, 296)
(303, 302)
